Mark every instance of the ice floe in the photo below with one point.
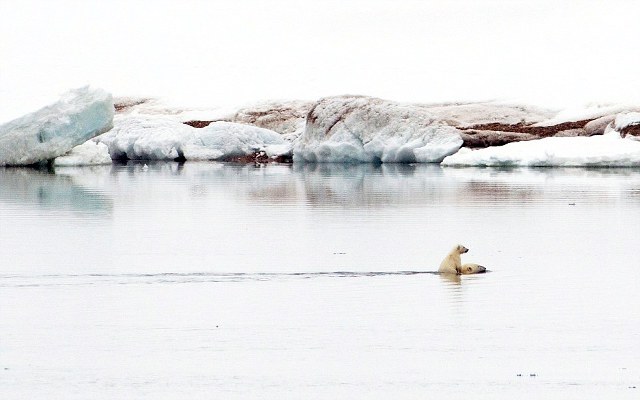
(609, 150)
(224, 140)
(145, 138)
(88, 153)
(54, 130)
(138, 137)
(366, 129)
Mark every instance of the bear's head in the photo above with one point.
(462, 249)
(468, 269)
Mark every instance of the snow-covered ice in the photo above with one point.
(156, 107)
(221, 140)
(624, 120)
(609, 150)
(55, 129)
(366, 129)
(145, 138)
(470, 114)
(583, 113)
(285, 117)
(88, 153)
(138, 137)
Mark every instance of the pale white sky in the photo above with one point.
(552, 53)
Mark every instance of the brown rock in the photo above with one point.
(633, 130)
(497, 134)
(572, 133)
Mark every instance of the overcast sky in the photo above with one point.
(231, 52)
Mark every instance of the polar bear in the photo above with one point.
(453, 265)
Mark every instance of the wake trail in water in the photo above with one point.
(193, 277)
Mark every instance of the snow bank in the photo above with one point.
(138, 137)
(88, 153)
(366, 129)
(54, 130)
(609, 150)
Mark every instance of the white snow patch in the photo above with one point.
(609, 150)
(55, 129)
(88, 153)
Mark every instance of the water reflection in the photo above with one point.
(450, 278)
(349, 186)
(50, 191)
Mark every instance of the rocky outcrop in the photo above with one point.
(54, 130)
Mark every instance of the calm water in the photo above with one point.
(203, 281)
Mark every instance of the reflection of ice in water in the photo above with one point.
(244, 282)
(49, 191)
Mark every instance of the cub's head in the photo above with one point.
(468, 269)
(461, 249)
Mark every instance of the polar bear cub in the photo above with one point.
(453, 265)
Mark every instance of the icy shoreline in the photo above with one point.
(356, 129)
(339, 129)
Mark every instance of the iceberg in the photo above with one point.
(138, 137)
(88, 153)
(608, 150)
(367, 129)
(54, 130)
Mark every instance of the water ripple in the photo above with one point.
(193, 277)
